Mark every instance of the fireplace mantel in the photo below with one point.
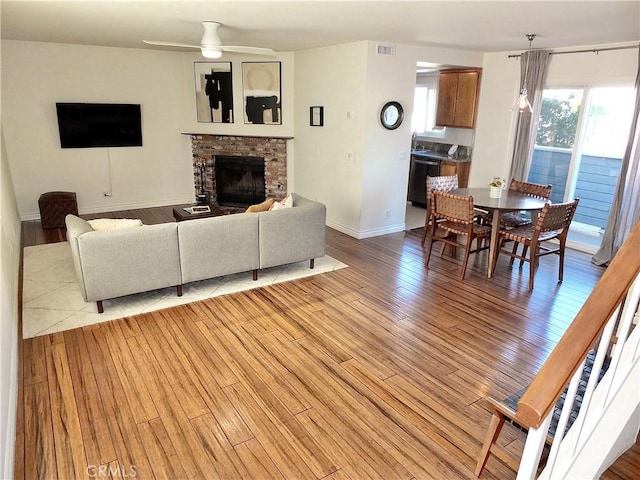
(230, 135)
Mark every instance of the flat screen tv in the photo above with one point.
(86, 125)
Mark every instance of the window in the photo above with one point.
(423, 121)
(581, 139)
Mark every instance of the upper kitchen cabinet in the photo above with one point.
(458, 98)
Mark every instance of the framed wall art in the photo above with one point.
(261, 93)
(316, 116)
(214, 92)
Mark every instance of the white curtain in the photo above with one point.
(534, 64)
(625, 209)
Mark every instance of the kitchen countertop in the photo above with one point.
(438, 156)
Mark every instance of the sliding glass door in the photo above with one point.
(582, 135)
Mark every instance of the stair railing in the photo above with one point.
(609, 314)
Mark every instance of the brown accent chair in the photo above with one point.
(55, 206)
(444, 183)
(553, 223)
(455, 215)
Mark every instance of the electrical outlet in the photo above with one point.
(387, 214)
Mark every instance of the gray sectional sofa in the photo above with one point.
(121, 262)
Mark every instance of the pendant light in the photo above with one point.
(522, 102)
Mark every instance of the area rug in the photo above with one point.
(52, 302)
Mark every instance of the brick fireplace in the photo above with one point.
(273, 150)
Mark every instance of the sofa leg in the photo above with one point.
(312, 263)
(255, 275)
(100, 307)
(179, 290)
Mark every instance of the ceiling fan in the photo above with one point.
(211, 45)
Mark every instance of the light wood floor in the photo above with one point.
(374, 371)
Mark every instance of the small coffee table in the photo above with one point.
(180, 214)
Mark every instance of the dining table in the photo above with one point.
(507, 201)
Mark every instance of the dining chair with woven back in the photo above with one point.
(454, 216)
(443, 183)
(553, 223)
(517, 219)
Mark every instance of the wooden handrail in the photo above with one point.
(547, 386)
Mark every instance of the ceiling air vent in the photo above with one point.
(386, 49)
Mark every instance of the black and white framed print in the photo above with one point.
(214, 92)
(316, 116)
(261, 92)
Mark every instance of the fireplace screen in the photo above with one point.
(239, 180)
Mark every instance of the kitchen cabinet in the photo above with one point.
(458, 98)
(456, 168)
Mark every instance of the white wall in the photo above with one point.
(352, 164)
(500, 84)
(386, 153)
(37, 75)
(332, 77)
(9, 261)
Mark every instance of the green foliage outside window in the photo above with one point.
(558, 123)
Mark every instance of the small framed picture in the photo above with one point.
(316, 116)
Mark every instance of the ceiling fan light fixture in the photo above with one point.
(211, 46)
(211, 52)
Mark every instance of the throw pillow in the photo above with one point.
(261, 207)
(286, 203)
(106, 224)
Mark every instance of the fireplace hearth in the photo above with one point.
(239, 180)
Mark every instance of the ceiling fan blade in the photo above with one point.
(250, 50)
(170, 44)
(211, 44)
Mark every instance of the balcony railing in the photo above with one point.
(596, 182)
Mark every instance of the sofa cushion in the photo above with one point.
(212, 247)
(292, 234)
(76, 226)
(129, 260)
(107, 224)
(287, 202)
(261, 207)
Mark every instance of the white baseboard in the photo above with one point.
(361, 234)
(581, 247)
(9, 442)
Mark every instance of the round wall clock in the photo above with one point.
(391, 115)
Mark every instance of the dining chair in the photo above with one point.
(455, 215)
(517, 219)
(443, 183)
(553, 223)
